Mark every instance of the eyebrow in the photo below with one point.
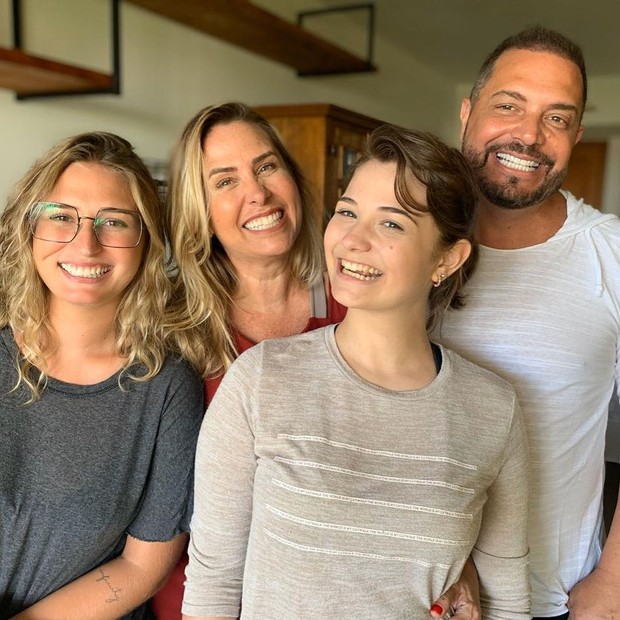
(385, 209)
(255, 161)
(397, 211)
(260, 158)
(555, 106)
(510, 93)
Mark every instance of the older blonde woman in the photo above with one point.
(244, 238)
(98, 422)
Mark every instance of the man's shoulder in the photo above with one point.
(482, 378)
(584, 215)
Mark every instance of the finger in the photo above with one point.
(443, 607)
(465, 613)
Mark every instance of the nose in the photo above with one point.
(357, 238)
(530, 131)
(86, 239)
(257, 191)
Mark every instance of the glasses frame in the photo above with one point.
(33, 222)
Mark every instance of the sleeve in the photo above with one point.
(607, 248)
(225, 468)
(606, 254)
(166, 503)
(501, 550)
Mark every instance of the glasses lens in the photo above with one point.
(117, 228)
(51, 221)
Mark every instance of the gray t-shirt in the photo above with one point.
(86, 465)
(320, 495)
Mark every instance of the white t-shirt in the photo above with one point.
(547, 319)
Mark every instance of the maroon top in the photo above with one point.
(335, 314)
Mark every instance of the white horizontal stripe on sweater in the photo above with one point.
(395, 455)
(357, 554)
(371, 502)
(338, 527)
(362, 474)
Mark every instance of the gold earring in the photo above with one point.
(440, 279)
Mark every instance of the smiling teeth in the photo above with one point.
(515, 163)
(263, 223)
(359, 271)
(84, 272)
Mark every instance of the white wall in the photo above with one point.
(169, 72)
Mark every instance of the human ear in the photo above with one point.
(465, 112)
(452, 259)
(579, 134)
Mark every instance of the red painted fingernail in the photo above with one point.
(438, 609)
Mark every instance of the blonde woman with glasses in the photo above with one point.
(98, 423)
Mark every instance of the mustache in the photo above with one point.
(520, 149)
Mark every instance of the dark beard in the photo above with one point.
(508, 195)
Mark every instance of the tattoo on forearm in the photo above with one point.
(114, 592)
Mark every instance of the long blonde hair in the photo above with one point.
(200, 321)
(23, 295)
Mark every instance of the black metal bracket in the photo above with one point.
(115, 89)
(341, 9)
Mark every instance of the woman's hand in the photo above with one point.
(462, 600)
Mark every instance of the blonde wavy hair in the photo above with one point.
(23, 295)
(206, 282)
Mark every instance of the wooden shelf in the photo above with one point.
(32, 75)
(248, 26)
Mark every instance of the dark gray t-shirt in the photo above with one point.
(86, 465)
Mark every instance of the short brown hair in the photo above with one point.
(535, 39)
(451, 198)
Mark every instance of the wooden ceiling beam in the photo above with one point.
(250, 27)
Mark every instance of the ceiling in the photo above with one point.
(454, 36)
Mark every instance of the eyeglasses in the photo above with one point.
(60, 223)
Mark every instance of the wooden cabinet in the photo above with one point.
(325, 140)
(586, 172)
